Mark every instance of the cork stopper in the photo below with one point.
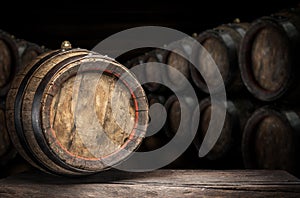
(66, 45)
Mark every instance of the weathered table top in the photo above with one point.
(160, 183)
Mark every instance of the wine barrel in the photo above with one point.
(155, 56)
(271, 139)
(7, 151)
(175, 59)
(9, 61)
(158, 139)
(221, 44)
(15, 53)
(134, 62)
(268, 58)
(174, 109)
(75, 112)
(228, 145)
(28, 51)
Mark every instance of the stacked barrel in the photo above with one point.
(269, 67)
(258, 62)
(15, 54)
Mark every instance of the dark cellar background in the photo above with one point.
(86, 23)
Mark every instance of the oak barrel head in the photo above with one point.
(268, 57)
(151, 71)
(175, 60)
(81, 112)
(270, 140)
(219, 51)
(225, 141)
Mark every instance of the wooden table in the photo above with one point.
(160, 183)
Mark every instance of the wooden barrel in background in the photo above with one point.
(174, 108)
(269, 57)
(271, 139)
(134, 62)
(15, 53)
(158, 139)
(175, 59)
(7, 151)
(228, 146)
(28, 51)
(155, 56)
(9, 60)
(221, 45)
(63, 126)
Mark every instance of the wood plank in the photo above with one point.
(160, 183)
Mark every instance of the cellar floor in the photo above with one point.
(159, 183)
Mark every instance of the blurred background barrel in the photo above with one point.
(221, 44)
(134, 62)
(271, 139)
(174, 110)
(151, 71)
(227, 150)
(158, 139)
(15, 53)
(175, 59)
(7, 151)
(269, 56)
(28, 51)
(58, 124)
(179, 117)
(9, 60)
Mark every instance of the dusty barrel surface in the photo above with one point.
(221, 47)
(76, 112)
(228, 145)
(271, 139)
(269, 57)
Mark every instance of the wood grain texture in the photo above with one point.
(179, 114)
(76, 124)
(274, 138)
(270, 139)
(115, 126)
(160, 183)
(220, 52)
(270, 58)
(225, 141)
(158, 139)
(176, 57)
(151, 72)
(178, 62)
(227, 150)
